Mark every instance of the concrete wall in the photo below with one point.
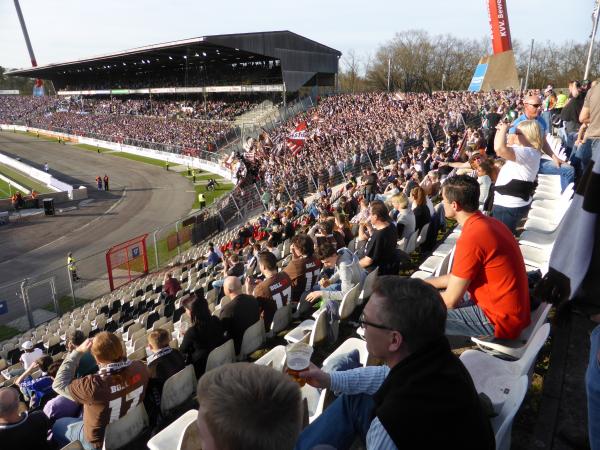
(59, 198)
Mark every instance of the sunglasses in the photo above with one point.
(535, 105)
(364, 324)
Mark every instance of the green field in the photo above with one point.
(22, 179)
(6, 190)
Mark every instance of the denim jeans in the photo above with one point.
(347, 417)
(566, 172)
(69, 429)
(510, 216)
(592, 384)
(468, 320)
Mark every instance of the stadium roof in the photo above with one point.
(301, 58)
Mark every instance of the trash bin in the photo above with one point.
(49, 206)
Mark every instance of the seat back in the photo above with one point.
(221, 355)
(446, 264)
(422, 234)
(190, 439)
(411, 244)
(123, 431)
(533, 348)
(275, 358)
(178, 389)
(368, 285)
(319, 329)
(254, 338)
(281, 319)
(502, 424)
(138, 354)
(349, 302)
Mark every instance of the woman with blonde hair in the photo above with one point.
(515, 183)
(405, 219)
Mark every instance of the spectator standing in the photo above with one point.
(381, 238)
(105, 179)
(514, 186)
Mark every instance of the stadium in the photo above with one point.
(212, 243)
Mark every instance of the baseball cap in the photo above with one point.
(27, 345)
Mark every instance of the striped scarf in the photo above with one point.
(111, 368)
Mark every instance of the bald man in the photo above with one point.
(21, 430)
(240, 313)
(550, 164)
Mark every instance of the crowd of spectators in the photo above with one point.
(452, 148)
(187, 124)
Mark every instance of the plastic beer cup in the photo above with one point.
(297, 360)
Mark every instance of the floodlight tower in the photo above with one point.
(38, 88)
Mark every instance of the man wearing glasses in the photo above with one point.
(552, 165)
(421, 397)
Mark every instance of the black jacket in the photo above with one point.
(429, 401)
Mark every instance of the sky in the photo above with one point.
(65, 30)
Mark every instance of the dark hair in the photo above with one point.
(76, 337)
(199, 312)
(267, 260)
(419, 195)
(326, 227)
(325, 250)
(53, 368)
(304, 243)
(379, 209)
(412, 307)
(463, 190)
(44, 362)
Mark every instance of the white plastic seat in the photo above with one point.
(367, 289)
(178, 434)
(315, 401)
(515, 349)
(493, 375)
(138, 354)
(421, 274)
(444, 248)
(178, 389)
(422, 235)
(274, 358)
(535, 257)
(123, 431)
(223, 354)
(281, 319)
(538, 240)
(309, 331)
(502, 424)
(539, 226)
(431, 264)
(346, 347)
(349, 300)
(411, 244)
(254, 338)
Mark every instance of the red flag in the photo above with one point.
(295, 141)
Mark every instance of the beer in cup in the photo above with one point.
(297, 360)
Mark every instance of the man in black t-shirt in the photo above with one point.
(21, 430)
(381, 237)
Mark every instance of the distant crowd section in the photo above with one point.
(190, 124)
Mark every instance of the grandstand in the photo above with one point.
(408, 146)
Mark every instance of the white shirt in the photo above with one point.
(28, 358)
(484, 187)
(525, 168)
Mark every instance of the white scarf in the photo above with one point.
(154, 356)
(111, 368)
